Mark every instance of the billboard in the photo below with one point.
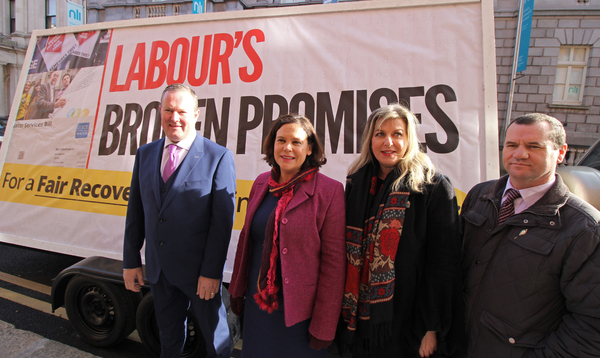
(94, 97)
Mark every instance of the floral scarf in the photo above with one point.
(374, 219)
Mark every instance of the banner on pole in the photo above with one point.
(75, 14)
(198, 7)
(525, 34)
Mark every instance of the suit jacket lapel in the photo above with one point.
(305, 190)
(186, 167)
(157, 152)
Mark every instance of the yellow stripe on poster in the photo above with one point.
(241, 202)
(89, 190)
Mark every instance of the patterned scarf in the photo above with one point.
(374, 221)
(268, 281)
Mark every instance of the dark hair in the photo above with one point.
(315, 159)
(557, 130)
(180, 87)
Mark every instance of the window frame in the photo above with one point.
(12, 11)
(569, 65)
(50, 18)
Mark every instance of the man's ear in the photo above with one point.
(562, 152)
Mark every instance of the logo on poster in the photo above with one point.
(82, 130)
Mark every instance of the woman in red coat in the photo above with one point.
(288, 277)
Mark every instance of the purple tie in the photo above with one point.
(508, 208)
(171, 164)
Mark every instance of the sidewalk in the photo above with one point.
(16, 343)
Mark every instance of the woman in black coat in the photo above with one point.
(402, 296)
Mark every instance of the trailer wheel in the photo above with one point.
(103, 314)
(148, 330)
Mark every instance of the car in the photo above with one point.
(3, 121)
(583, 178)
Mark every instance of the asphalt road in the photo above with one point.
(41, 267)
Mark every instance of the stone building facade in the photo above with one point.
(562, 77)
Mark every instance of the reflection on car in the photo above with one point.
(583, 178)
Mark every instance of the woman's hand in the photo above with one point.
(428, 344)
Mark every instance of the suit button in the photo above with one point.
(284, 221)
(477, 262)
(161, 243)
(160, 220)
(511, 340)
(284, 251)
(287, 280)
(162, 191)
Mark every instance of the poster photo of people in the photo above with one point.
(59, 99)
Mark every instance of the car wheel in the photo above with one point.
(103, 314)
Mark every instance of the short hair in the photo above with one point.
(315, 159)
(65, 75)
(52, 74)
(180, 87)
(415, 166)
(557, 130)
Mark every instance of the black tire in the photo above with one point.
(101, 313)
(148, 331)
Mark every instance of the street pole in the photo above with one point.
(511, 90)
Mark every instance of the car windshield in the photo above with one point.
(592, 157)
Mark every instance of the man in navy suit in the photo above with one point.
(186, 219)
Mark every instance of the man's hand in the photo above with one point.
(129, 276)
(428, 344)
(60, 103)
(207, 287)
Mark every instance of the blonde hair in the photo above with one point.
(415, 167)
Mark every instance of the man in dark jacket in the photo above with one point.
(531, 254)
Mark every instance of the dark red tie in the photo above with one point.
(508, 208)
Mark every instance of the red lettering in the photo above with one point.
(253, 56)
(192, 79)
(185, 51)
(185, 58)
(157, 63)
(139, 63)
(221, 59)
(114, 87)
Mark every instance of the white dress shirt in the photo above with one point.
(529, 196)
(184, 146)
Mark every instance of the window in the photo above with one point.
(176, 9)
(50, 14)
(12, 16)
(136, 12)
(570, 75)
